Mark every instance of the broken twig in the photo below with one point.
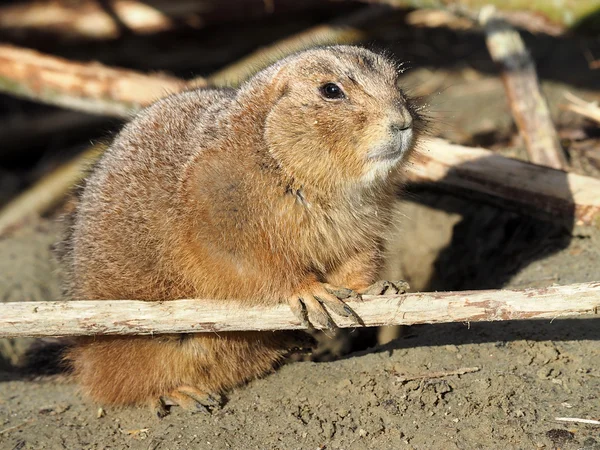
(591, 110)
(70, 318)
(432, 375)
(576, 420)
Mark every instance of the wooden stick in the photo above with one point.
(528, 188)
(529, 107)
(432, 375)
(591, 110)
(89, 87)
(91, 19)
(196, 316)
(577, 420)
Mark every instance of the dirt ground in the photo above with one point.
(463, 386)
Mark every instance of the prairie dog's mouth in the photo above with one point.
(394, 149)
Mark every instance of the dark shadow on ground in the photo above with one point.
(486, 332)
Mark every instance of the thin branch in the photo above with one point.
(432, 375)
(576, 420)
(591, 110)
(191, 316)
(531, 189)
(89, 87)
(529, 107)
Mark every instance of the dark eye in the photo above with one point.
(331, 91)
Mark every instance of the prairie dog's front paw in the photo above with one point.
(309, 305)
(384, 287)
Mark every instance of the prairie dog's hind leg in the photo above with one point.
(186, 370)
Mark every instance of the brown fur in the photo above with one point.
(260, 195)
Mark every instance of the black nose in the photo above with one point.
(397, 127)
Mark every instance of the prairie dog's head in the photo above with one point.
(339, 117)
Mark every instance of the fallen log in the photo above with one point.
(89, 87)
(528, 188)
(131, 317)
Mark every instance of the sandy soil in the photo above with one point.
(528, 374)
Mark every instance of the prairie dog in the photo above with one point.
(277, 192)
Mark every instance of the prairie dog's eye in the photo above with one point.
(331, 91)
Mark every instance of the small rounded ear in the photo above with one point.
(280, 83)
(267, 86)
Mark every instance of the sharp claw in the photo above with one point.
(340, 293)
(212, 400)
(201, 408)
(160, 408)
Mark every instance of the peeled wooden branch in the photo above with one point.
(209, 316)
(89, 87)
(527, 102)
(591, 110)
(531, 189)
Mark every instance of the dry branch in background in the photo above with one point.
(591, 110)
(191, 316)
(552, 17)
(527, 103)
(89, 87)
(531, 189)
(88, 19)
(109, 19)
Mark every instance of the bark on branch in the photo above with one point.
(527, 102)
(89, 87)
(194, 316)
(529, 188)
